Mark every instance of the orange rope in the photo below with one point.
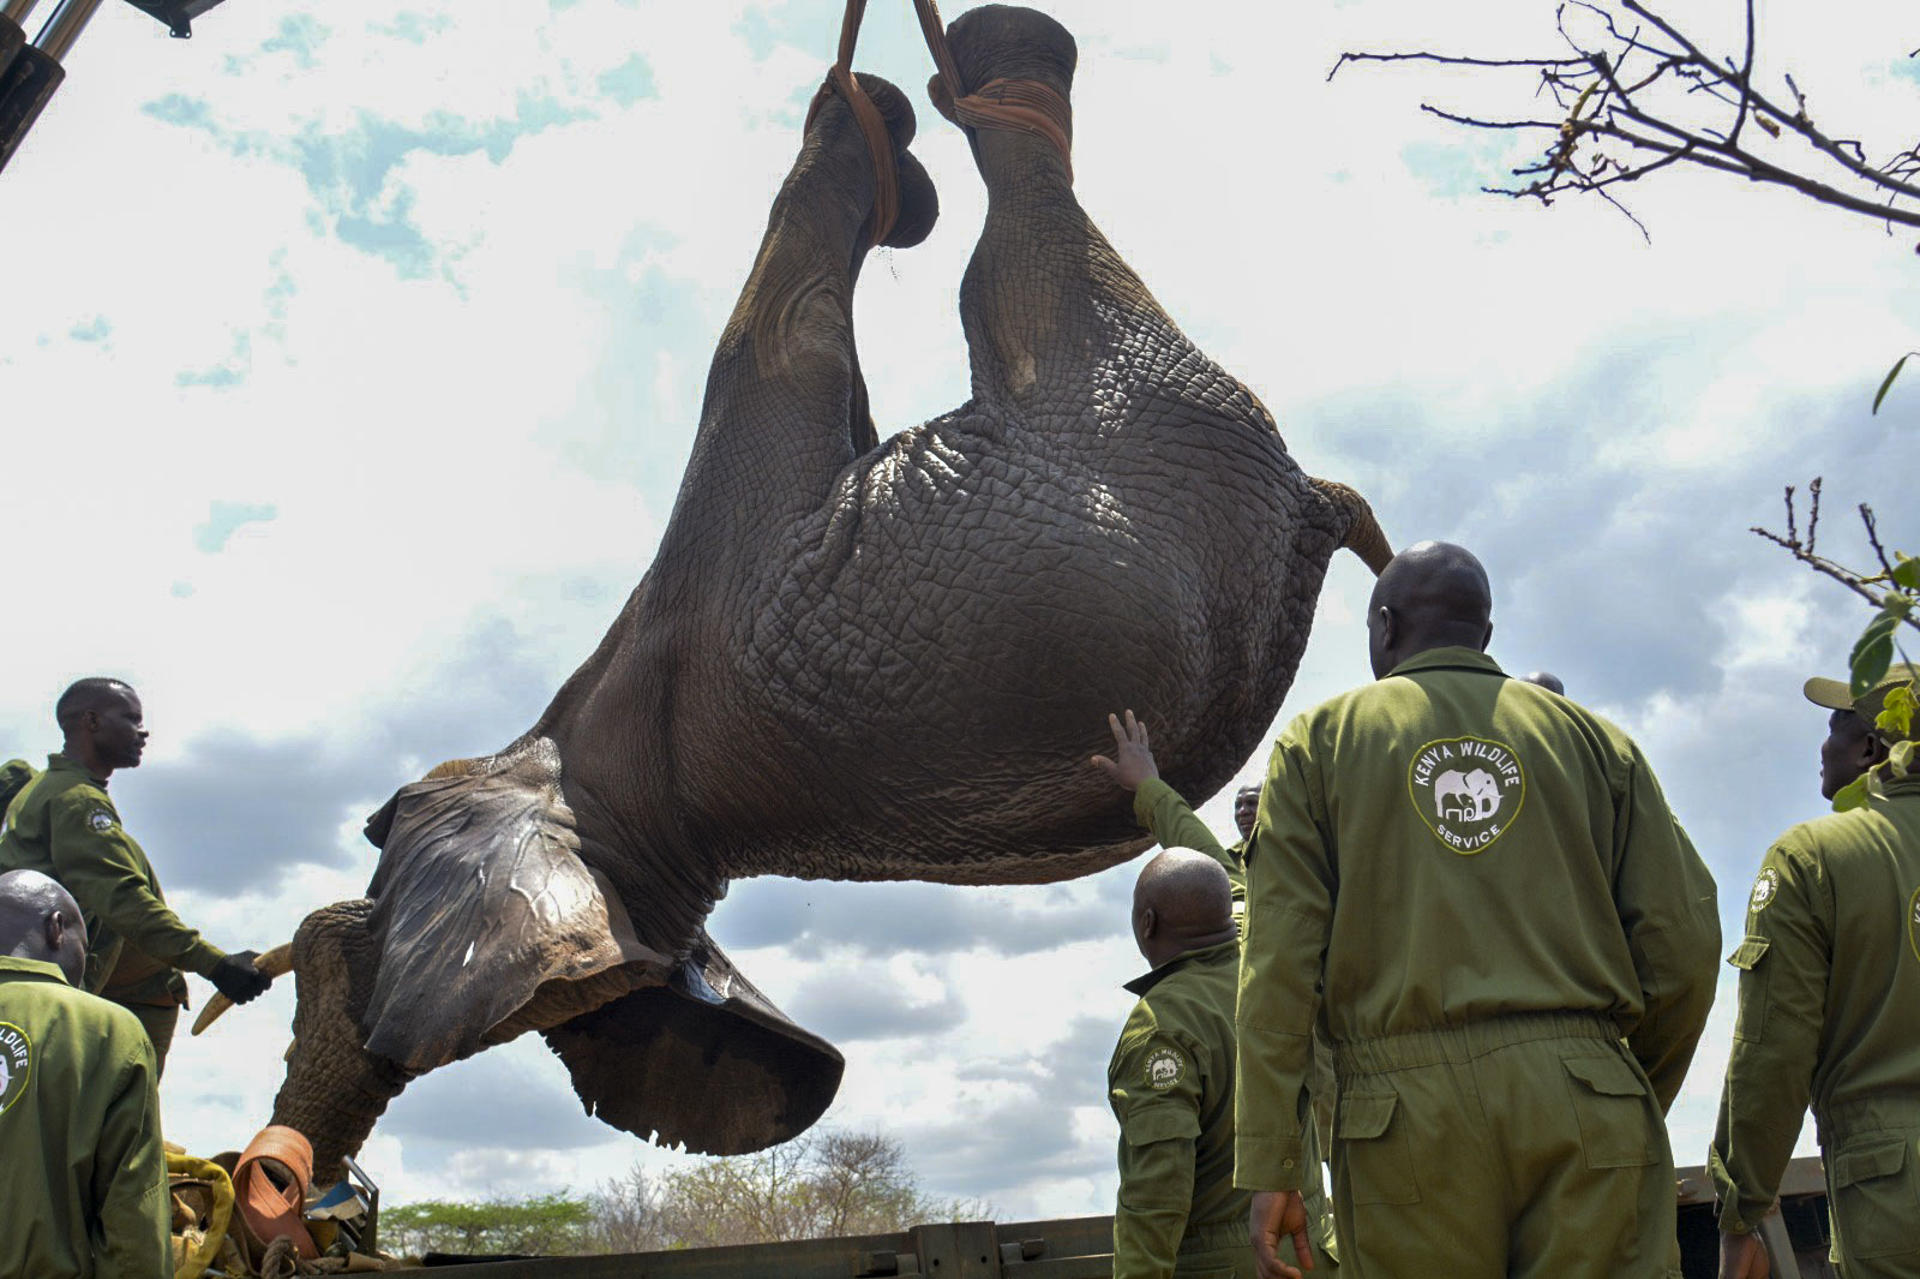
(1019, 106)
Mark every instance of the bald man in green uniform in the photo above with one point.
(63, 824)
(1830, 1009)
(1185, 1013)
(83, 1176)
(1517, 946)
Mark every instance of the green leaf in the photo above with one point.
(1887, 384)
(1906, 572)
(1852, 795)
(1900, 759)
(1897, 716)
(1873, 651)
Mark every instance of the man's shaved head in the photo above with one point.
(1547, 680)
(95, 693)
(1431, 595)
(40, 920)
(1182, 901)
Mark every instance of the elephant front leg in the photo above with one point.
(335, 1090)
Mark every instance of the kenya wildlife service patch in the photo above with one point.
(1467, 790)
(101, 821)
(1765, 889)
(16, 1058)
(1164, 1069)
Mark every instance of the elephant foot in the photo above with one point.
(915, 201)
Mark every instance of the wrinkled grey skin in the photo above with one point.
(850, 659)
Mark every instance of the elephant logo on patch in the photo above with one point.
(1164, 1069)
(1468, 797)
(1468, 790)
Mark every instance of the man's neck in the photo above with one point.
(83, 754)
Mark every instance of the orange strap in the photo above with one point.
(1019, 106)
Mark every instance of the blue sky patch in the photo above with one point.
(629, 82)
(224, 519)
(98, 329)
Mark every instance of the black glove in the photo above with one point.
(236, 977)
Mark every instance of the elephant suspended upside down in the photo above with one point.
(850, 659)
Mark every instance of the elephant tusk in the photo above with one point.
(277, 962)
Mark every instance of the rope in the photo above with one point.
(1017, 106)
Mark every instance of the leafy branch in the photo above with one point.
(1636, 95)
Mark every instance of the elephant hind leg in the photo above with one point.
(785, 405)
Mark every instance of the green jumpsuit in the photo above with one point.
(1830, 1015)
(1171, 1087)
(63, 825)
(1517, 947)
(1161, 809)
(83, 1176)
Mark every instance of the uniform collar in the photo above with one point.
(13, 968)
(57, 762)
(1226, 950)
(1453, 658)
(1899, 787)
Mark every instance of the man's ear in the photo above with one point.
(1148, 922)
(1874, 753)
(55, 929)
(1486, 641)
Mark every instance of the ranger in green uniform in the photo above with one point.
(1517, 946)
(63, 824)
(1830, 1011)
(1196, 1011)
(83, 1176)
(1171, 1081)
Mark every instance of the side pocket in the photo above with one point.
(1378, 1163)
(1750, 1016)
(1614, 1110)
(1876, 1204)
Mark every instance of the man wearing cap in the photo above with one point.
(83, 1176)
(1517, 947)
(63, 825)
(1829, 1011)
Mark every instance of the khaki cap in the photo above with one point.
(1837, 694)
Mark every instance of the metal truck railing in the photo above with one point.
(1081, 1247)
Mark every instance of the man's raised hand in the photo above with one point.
(1132, 760)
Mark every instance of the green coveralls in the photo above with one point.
(1171, 1086)
(83, 1176)
(64, 825)
(1830, 1014)
(1487, 883)
(1161, 809)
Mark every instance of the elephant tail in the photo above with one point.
(1365, 537)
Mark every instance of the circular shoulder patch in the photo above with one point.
(16, 1059)
(1165, 1068)
(1467, 790)
(1913, 922)
(101, 821)
(1764, 890)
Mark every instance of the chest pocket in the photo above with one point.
(1750, 1018)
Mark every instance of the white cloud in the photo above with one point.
(488, 435)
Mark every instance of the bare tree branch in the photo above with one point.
(1625, 102)
(1859, 583)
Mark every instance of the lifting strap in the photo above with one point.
(1019, 106)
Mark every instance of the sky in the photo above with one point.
(350, 354)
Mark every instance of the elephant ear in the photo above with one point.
(705, 1061)
(487, 921)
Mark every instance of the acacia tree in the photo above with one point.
(1632, 94)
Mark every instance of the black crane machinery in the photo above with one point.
(30, 71)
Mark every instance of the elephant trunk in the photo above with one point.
(1365, 537)
(334, 1089)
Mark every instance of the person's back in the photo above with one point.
(1478, 824)
(83, 1187)
(1516, 947)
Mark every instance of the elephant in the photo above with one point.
(851, 658)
